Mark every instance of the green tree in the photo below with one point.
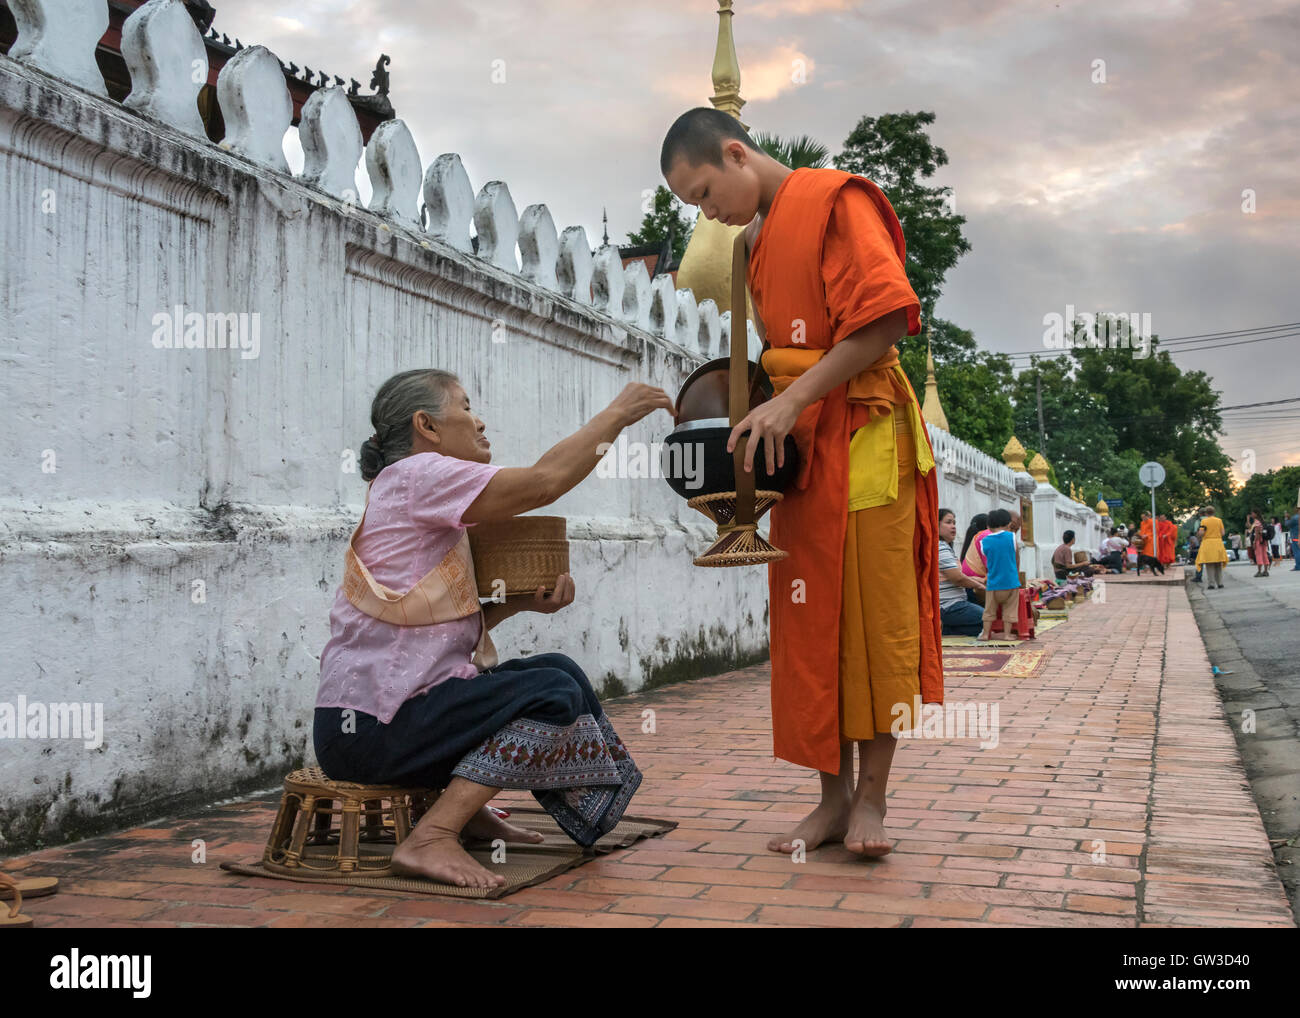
(666, 209)
(1079, 443)
(895, 152)
(1256, 493)
(1106, 412)
(1169, 415)
(974, 385)
(1286, 490)
(796, 153)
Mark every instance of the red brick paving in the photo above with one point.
(1114, 798)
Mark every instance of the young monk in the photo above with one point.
(855, 627)
(1167, 533)
(1147, 530)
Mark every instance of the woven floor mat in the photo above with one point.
(524, 865)
(1019, 663)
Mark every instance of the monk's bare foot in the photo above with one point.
(866, 834)
(440, 857)
(828, 822)
(487, 826)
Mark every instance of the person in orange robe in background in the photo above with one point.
(1145, 529)
(1167, 532)
(855, 629)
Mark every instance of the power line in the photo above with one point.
(1233, 332)
(1281, 442)
(1160, 344)
(1228, 334)
(1271, 402)
(1224, 346)
(1161, 415)
(1287, 435)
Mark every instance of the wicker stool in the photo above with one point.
(306, 840)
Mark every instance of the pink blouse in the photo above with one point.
(979, 551)
(413, 521)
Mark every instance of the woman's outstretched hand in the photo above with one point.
(638, 400)
(545, 603)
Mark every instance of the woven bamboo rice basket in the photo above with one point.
(526, 552)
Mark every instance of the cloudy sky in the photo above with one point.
(1127, 194)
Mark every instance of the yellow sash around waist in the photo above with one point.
(447, 592)
(873, 449)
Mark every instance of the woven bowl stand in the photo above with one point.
(737, 512)
(323, 826)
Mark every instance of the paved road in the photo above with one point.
(1252, 630)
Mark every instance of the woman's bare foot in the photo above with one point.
(487, 826)
(866, 834)
(827, 822)
(439, 857)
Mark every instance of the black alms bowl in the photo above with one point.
(695, 460)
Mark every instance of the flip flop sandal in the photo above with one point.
(14, 920)
(31, 887)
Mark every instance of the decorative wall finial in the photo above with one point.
(1013, 455)
(379, 79)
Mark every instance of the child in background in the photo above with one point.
(1003, 584)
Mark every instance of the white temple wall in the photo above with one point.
(174, 520)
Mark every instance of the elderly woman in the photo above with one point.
(411, 692)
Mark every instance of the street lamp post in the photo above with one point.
(1152, 474)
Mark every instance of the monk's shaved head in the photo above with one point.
(697, 136)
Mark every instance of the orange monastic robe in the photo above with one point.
(1145, 531)
(812, 287)
(1168, 532)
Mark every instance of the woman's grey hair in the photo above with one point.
(396, 403)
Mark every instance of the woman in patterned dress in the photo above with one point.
(411, 692)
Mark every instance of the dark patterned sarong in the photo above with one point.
(581, 774)
(530, 723)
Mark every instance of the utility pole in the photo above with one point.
(1042, 432)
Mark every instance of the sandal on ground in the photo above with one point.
(31, 887)
(14, 919)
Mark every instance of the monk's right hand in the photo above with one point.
(637, 400)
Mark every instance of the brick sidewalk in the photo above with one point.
(1113, 798)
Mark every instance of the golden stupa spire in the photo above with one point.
(726, 68)
(706, 264)
(932, 409)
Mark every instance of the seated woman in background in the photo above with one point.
(972, 559)
(958, 616)
(1112, 550)
(410, 691)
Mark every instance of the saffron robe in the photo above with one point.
(788, 278)
(1167, 530)
(1146, 545)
